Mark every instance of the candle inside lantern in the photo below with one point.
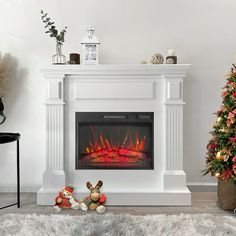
(171, 52)
(171, 58)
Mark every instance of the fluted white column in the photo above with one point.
(54, 175)
(174, 176)
(54, 137)
(174, 136)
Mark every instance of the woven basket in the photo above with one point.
(226, 192)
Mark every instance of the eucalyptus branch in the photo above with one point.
(51, 28)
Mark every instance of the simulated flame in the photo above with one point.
(128, 149)
(104, 144)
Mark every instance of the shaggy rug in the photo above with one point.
(111, 224)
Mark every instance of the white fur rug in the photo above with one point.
(122, 225)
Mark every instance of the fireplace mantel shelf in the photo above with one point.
(116, 88)
(107, 69)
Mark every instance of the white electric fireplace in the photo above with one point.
(122, 124)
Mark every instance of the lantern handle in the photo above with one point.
(90, 31)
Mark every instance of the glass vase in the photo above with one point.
(58, 58)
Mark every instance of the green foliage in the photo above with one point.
(51, 28)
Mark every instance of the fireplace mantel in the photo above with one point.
(132, 69)
(111, 88)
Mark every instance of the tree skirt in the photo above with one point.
(111, 224)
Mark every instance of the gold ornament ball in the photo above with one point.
(219, 156)
(219, 119)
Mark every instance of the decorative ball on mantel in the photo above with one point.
(157, 59)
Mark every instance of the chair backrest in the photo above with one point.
(2, 116)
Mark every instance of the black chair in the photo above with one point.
(8, 138)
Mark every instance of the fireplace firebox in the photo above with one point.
(114, 140)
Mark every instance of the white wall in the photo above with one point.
(202, 33)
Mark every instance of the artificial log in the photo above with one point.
(96, 154)
(114, 153)
(131, 153)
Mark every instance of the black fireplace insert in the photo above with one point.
(114, 140)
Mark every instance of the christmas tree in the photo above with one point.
(221, 149)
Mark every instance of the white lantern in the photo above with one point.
(90, 48)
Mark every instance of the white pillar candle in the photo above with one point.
(171, 52)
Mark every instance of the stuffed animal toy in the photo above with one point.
(95, 200)
(65, 199)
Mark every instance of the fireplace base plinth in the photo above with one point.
(175, 191)
(53, 180)
(174, 180)
(127, 197)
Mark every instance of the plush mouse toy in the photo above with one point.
(95, 200)
(65, 199)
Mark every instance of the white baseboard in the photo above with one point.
(193, 187)
(23, 188)
(201, 184)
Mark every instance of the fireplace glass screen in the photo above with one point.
(114, 140)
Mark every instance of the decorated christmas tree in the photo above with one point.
(221, 149)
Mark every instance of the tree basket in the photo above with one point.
(226, 192)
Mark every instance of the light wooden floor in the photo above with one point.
(202, 202)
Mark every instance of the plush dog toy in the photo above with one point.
(65, 199)
(95, 200)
